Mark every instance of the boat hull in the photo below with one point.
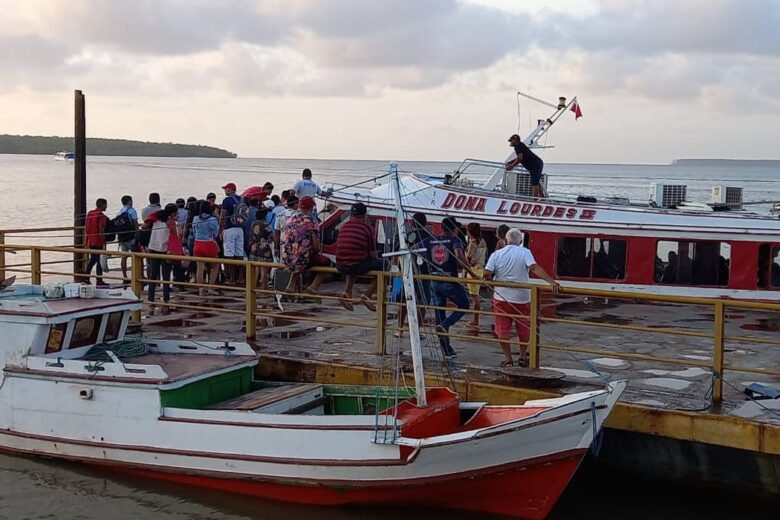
(526, 489)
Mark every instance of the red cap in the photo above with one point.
(306, 203)
(230, 186)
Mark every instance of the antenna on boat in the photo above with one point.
(543, 125)
(408, 280)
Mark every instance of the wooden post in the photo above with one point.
(533, 338)
(381, 314)
(79, 180)
(251, 300)
(717, 352)
(136, 273)
(2, 257)
(35, 266)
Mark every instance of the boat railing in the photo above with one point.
(257, 306)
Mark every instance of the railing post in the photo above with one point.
(136, 273)
(2, 257)
(35, 266)
(251, 300)
(533, 338)
(717, 352)
(381, 314)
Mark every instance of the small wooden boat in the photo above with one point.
(74, 387)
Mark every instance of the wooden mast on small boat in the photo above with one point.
(408, 280)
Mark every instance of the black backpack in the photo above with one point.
(123, 226)
(144, 235)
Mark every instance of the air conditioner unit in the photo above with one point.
(518, 182)
(728, 195)
(667, 195)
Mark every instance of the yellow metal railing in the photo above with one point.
(39, 255)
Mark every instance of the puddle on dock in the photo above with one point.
(177, 322)
(291, 353)
(593, 304)
(763, 325)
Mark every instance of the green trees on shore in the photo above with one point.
(43, 145)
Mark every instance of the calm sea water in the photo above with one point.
(38, 191)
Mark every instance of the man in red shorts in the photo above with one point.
(512, 264)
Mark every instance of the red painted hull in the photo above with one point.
(527, 490)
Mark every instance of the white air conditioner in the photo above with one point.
(667, 195)
(729, 195)
(518, 182)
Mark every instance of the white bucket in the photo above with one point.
(71, 290)
(87, 291)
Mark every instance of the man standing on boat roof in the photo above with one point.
(530, 161)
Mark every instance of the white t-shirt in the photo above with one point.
(306, 188)
(511, 264)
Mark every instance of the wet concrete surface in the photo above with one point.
(652, 383)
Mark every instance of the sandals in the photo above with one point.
(316, 299)
(524, 361)
(366, 301)
(344, 301)
(505, 364)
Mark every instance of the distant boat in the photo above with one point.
(65, 156)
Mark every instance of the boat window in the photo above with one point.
(692, 262)
(56, 337)
(330, 232)
(769, 265)
(582, 257)
(85, 331)
(113, 324)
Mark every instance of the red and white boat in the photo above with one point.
(73, 387)
(676, 248)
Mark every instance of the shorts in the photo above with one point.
(520, 315)
(536, 176)
(475, 287)
(319, 260)
(361, 268)
(205, 249)
(233, 242)
(127, 247)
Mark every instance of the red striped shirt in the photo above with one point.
(355, 242)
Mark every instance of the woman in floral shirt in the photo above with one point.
(301, 248)
(259, 248)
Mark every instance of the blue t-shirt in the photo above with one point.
(229, 205)
(207, 229)
(441, 255)
(130, 210)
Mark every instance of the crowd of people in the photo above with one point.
(260, 226)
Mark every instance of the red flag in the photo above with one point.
(575, 107)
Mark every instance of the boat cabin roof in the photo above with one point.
(28, 303)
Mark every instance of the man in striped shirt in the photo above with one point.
(356, 255)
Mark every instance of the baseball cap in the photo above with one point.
(358, 208)
(306, 203)
(230, 186)
(292, 200)
(513, 137)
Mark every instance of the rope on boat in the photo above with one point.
(126, 348)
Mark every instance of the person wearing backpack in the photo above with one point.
(234, 214)
(260, 244)
(96, 225)
(125, 224)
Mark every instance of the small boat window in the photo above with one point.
(56, 337)
(582, 257)
(113, 324)
(85, 331)
(692, 262)
(769, 265)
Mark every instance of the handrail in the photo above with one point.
(718, 364)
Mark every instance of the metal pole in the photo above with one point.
(381, 314)
(79, 180)
(2, 257)
(717, 352)
(533, 338)
(411, 302)
(251, 300)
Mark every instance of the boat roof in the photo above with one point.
(30, 301)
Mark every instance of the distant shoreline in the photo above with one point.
(726, 162)
(50, 145)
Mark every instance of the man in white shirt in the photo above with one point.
(512, 264)
(306, 187)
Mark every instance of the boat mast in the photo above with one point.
(408, 280)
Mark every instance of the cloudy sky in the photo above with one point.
(400, 79)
